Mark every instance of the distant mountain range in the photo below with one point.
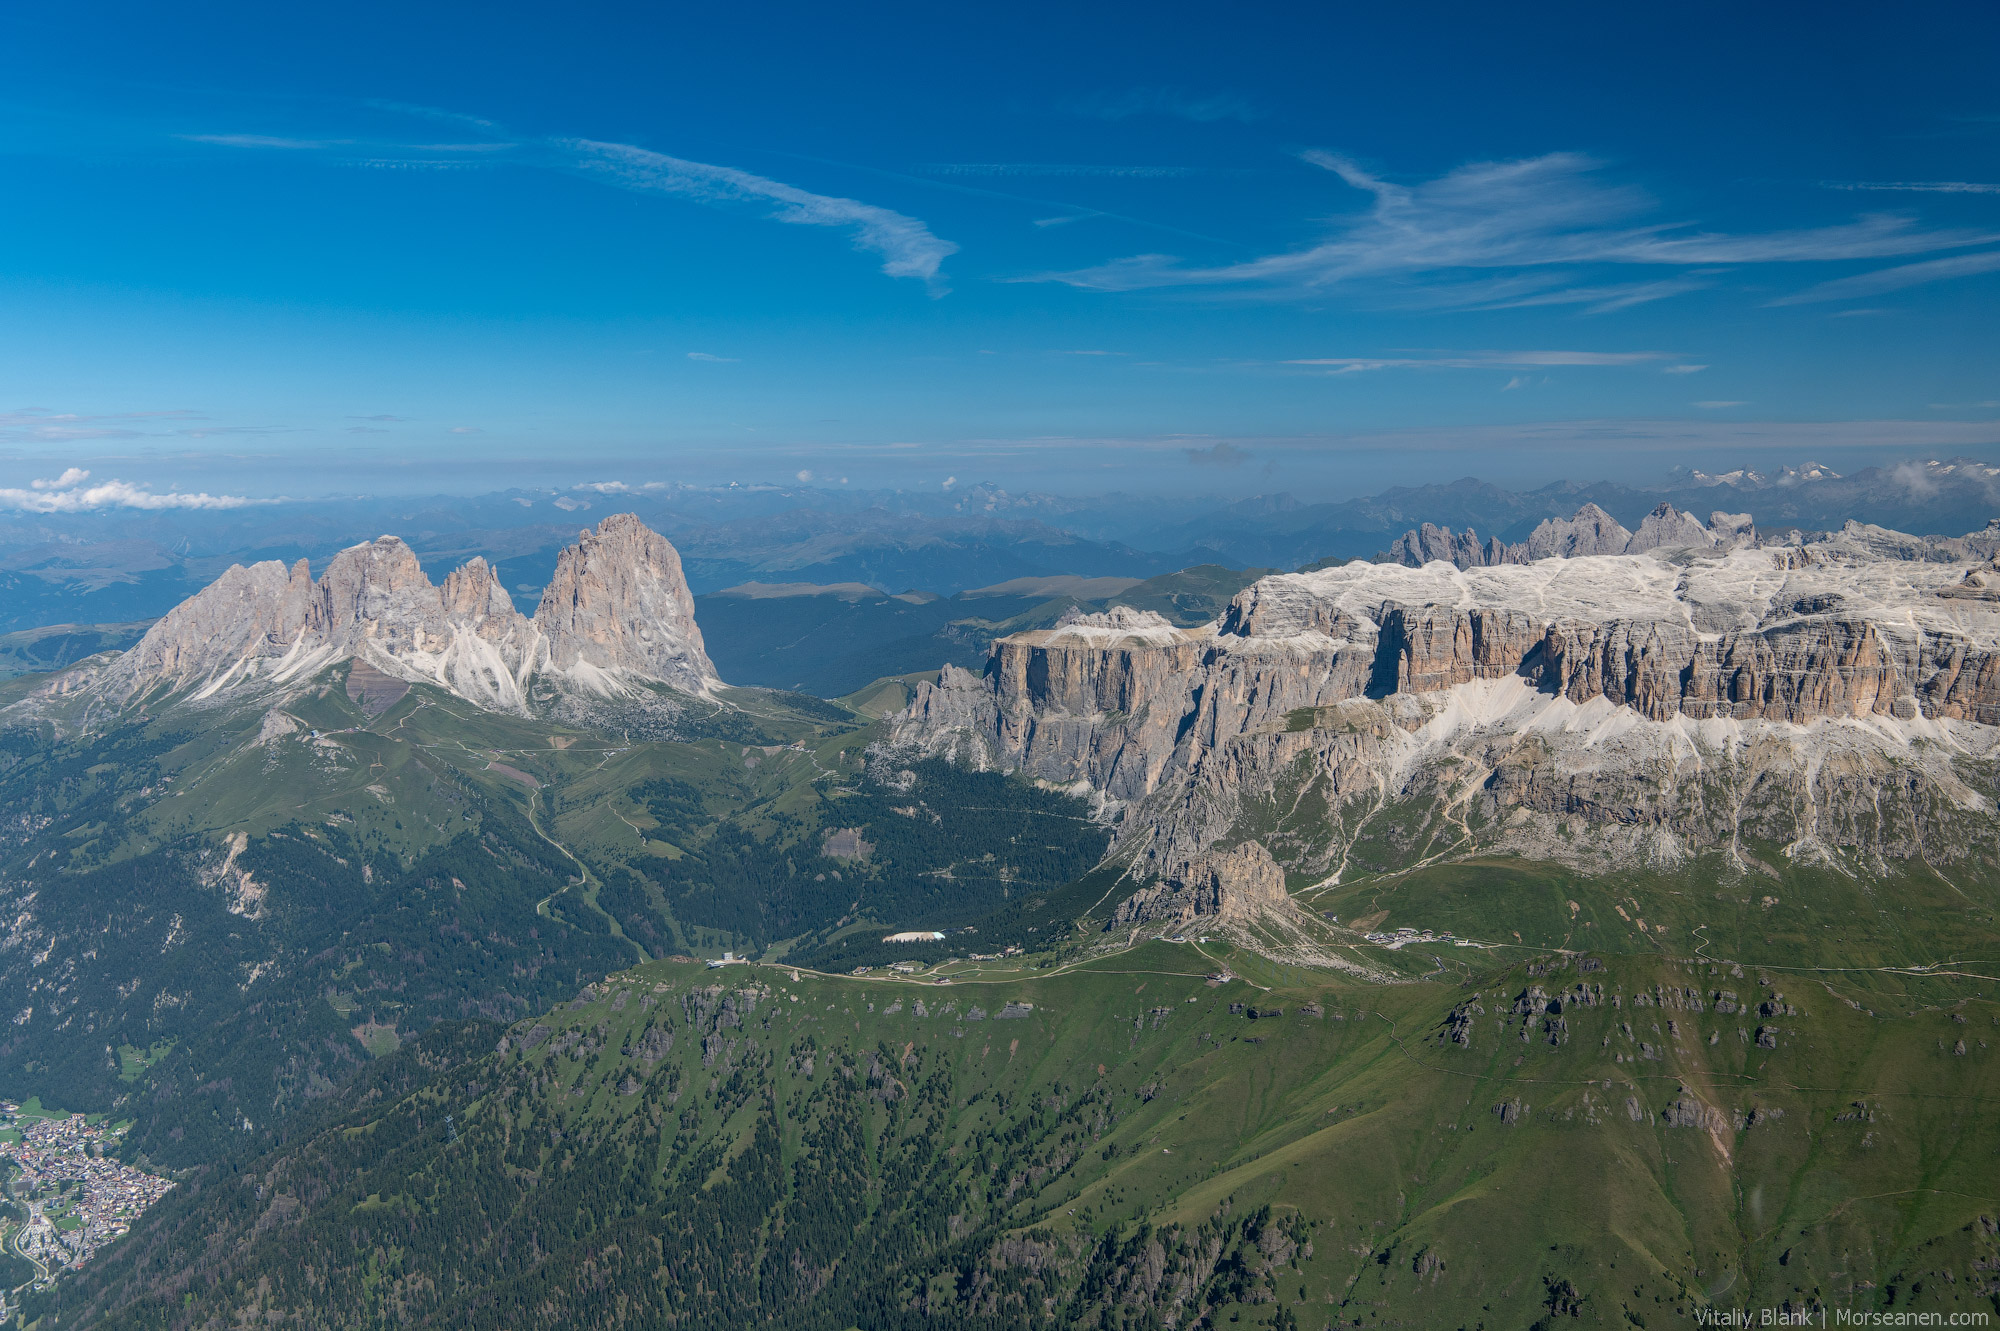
(120, 566)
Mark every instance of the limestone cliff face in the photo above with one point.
(617, 614)
(1824, 697)
(247, 614)
(376, 594)
(1436, 647)
(619, 608)
(1235, 886)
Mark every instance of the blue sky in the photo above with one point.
(1321, 248)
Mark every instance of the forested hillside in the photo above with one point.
(1122, 1144)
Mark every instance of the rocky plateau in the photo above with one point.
(1833, 700)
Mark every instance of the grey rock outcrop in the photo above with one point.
(617, 614)
(619, 608)
(247, 614)
(1667, 528)
(1238, 885)
(1427, 543)
(1824, 698)
(1436, 647)
(1591, 532)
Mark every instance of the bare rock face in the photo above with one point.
(376, 595)
(472, 596)
(1732, 529)
(1234, 886)
(619, 607)
(617, 613)
(1828, 698)
(246, 616)
(1667, 528)
(1437, 646)
(1591, 532)
(1427, 543)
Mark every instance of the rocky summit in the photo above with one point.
(1834, 700)
(616, 615)
(1592, 531)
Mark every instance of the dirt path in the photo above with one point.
(590, 884)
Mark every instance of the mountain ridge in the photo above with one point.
(617, 614)
(1826, 699)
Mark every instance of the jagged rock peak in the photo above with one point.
(472, 594)
(1667, 528)
(1428, 543)
(377, 593)
(1591, 531)
(618, 612)
(245, 613)
(619, 605)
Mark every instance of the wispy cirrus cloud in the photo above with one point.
(1485, 360)
(40, 425)
(905, 245)
(712, 360)
(1056, 170)
(266, 141)
(1895, 279)
(1544, 212)
(70, 493)
(1914, 186)
(429, 113)
(1602, 299)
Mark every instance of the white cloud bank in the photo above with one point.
(69, 493)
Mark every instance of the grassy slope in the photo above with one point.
(263, 918)
(1798, 919)
(57, 646)
(999, 1172)
(395, 876)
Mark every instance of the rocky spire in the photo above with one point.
(619, 605)
(1428, 543)
(617, 613)
(1591, 532)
